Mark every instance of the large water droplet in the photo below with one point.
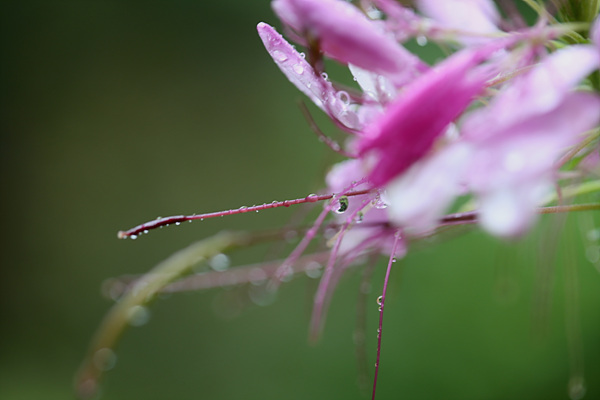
(312, 198)
(299, 69)
(279, 56)
(343, 96)
(220, 262)
(379, 203)
(138, 315)
(133, 237)
(104, 359)
(343, 204)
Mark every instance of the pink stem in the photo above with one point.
(311, 233)
(144, 228)
(321, 297)
(385, 283)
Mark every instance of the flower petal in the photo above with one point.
(347, 35)
(420, 114)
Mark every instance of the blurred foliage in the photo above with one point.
(115, 112)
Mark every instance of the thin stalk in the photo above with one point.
(381, 306)
(134, 232)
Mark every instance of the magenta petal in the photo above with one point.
(295, 67)
(540, 90)
(347, 35)
(419, 197)
(419, 115)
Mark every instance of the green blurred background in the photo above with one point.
(117, 112)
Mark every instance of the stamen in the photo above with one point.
(332, 144)
(381, 301)
(133, 233)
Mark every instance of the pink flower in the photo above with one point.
(421, 113)
(303, 76)
(508, 151)
(347, 35)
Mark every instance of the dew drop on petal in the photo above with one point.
(279, 56)
(343, 96)
(299, 69)
(178, 223)
(133, 237)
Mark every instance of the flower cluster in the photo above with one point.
(489, 123)
(503, 128)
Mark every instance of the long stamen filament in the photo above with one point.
(165, 221)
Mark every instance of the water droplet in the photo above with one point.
(243, 208)
(592, 253)
(379, 203)
(220, 262)
(302, 55)
(324, 75)
(314, 270)
(343, 203)
(133, 237)
(262, 295)
(177, 223)
(257, 276)
(104, 359)
(201, 219)
(311, 198)
(138, 316)
(379, 300)
(343, 96)
(190, 221)
(287, 273)
(593, 234)
(421, 40)
(359, 217)
(279, 56)
(299, 69)
(145, 231)
(394, 260)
